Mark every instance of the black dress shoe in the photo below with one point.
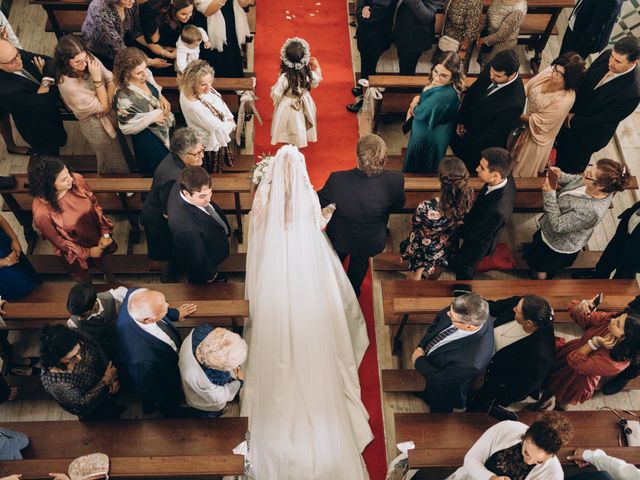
(501, 413)
(355, 107)
(357, 91)
(220, 278)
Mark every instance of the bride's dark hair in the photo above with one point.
(456, 197)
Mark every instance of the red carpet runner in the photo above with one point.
(324, 24)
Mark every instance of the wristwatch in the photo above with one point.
(106, 235)
(47, 81)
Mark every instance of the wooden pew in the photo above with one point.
(63, 16)
(156, 448)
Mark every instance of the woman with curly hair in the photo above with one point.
(435, 221)
(67, 213)
(517, 452)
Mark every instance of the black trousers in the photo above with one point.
(358, 266)
(616, 257)
(573, 151)
(368, 62)
(408, 62)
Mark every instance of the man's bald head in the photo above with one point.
(10, 60)
(147, 306)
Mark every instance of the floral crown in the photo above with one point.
(305, 58)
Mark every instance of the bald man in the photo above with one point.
(148, 346)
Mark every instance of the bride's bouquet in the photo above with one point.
(261, 168)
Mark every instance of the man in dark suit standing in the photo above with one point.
(199, 227)
(610, 92)
(364, 197)
(490, 109)
(148, 345)
(590, 26)
(28, 93)
(490, 213)
(455, 350)
(524, 344)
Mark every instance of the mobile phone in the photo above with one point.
(598, 300)
(553, 178)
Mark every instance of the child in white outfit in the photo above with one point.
(188, 46)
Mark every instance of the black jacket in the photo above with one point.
(451, 369)
(414, 26)
(374, 33)
(622, 253)
(37, 116)
(201, 243)
(164, 177)
(594, 22)
(363, 204)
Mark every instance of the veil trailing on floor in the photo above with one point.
(306, 336)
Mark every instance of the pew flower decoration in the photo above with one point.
(261, 168)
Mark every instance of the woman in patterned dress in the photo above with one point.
(501, 28)
(463, 20)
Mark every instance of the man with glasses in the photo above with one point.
(28, 93)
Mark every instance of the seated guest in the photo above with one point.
(17, 276)
(199, 227)
(364, 198)
(609, 468)
(454, 351)
(209, 364)
(550, 96)
(433, 114)
(11, 442)
(435, 221)
(609, 342)
(188, 46)
(501, 28)
(524, 349)
(28, 93)
(148, 345)
(490, 213)
(204, 110)
(570, 217)
(490, 109)
(77, 374)
(67, 213)
(186, 150)
(511, 450)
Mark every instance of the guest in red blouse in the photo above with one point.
(68, 214)
(610, 340)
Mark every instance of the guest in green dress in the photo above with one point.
(433, 115)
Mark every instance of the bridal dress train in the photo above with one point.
(306, 336)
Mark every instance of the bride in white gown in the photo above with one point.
(306, 336)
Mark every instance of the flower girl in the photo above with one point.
(294, 116)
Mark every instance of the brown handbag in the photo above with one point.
(90, 467)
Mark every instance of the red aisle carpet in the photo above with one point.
(324, 24)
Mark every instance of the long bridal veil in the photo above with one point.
(306, 337)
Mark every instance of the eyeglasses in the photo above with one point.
(557, 71)
(80, 61)
(12, 61)
(443, 76)
(197, 154)
(585, 174)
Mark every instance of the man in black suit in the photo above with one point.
(490, 213)
(199, 227)
(490, 109)
(524, 344)
(590, 26)
(28, 93)
(610, 92)
(364, 197)
(455, 350)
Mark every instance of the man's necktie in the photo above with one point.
(605, 79)
(492, 86)
(171, 332)
(28, 76)
(439, 337)
(213, 214)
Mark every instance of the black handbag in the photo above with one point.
(406, 126)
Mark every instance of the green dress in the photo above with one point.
(434, 120)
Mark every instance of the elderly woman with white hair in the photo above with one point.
(209, 364)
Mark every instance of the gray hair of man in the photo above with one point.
(184, 140)
(145, 304)
(372, 154)
(471, 309)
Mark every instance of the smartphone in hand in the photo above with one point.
(595, 303)
(553, 178)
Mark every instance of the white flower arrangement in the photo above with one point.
(261, 168)
(305, 59)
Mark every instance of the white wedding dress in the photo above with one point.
(306, 336)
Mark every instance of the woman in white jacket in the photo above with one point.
(511, 450)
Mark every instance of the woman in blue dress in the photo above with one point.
(433, 116)
(17, 276)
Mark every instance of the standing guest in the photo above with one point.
(210, 360)
(199, 227)
(186, 150)
(205, 112)
(77, 374)
(511, 450)
(501, 28)
(188, 46)
(28, 94)
(435, 221)
(87, 88)
(571, 215)
(610, 92)
(609, 468)
(148, 344)
(142, 111)
(364, 198)
(454, 351)
(413, 31)
(68, 214)
(17, 275)
(433, 116)
(590, 26)
(490, 213)
(490, 109)
(550, 96)
(524, 349)
(462, 22)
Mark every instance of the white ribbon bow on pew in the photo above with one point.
(371, 96)
(399, 466)
(247, 106)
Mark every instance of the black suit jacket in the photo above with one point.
(374, 33)
(522, 367)
(164, 177)
(451, 369)
(623, 247)
(37, 116)
(488, 119)
(201, 243)
(415, 24)
(593, 26)
(363, 204)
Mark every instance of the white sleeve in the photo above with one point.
(618, 469)
(316, 77)
(277, 91)
(11, 36)
(484, 447)
(118, 293)
(203, 32)
(181, 57)
(201, 119)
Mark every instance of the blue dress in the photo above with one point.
(17, 280)
(434, 121)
